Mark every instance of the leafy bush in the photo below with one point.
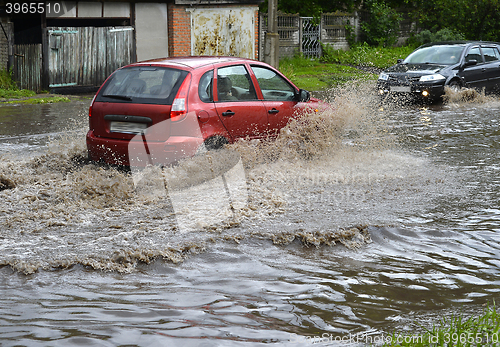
(426, 36)
(9, 89)
(382, 26)
(364, 55)
(350, 34)
(16, 93)
(6, 81)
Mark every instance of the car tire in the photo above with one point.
(215, 142)
(455, 85)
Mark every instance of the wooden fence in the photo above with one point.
(86, 56)
(27, 69)
(83, 57)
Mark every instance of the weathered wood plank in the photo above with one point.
(76, 56)
(27, 68)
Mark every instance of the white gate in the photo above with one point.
(311, 46)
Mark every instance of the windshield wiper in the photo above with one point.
(121, 97)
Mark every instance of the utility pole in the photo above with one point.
(272, 39)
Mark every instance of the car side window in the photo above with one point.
(491, 54)
(205, 87)
(272, 85)
(474, 54)
(234, 84)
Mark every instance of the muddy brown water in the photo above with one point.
(361, 221)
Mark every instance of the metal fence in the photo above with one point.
(333, 28)
(305, 34)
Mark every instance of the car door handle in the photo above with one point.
(228, 113)
(273, 111)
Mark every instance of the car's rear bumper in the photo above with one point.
(141, 153)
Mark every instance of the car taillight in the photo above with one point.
(179, 110)
(91, 104)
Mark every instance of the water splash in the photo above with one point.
(325, 172)
(466, 95)
(352, 116)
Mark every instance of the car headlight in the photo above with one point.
(383, 76)
(432, 78)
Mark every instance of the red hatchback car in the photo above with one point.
(172, 108)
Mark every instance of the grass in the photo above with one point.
(9, 90)
(367, 56)
(6, 81)
(312, 74)
(483, 330)
(337, 67)
(16, 94)
(42, 100)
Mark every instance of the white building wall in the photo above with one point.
(151, 30)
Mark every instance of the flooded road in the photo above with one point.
(356, 223)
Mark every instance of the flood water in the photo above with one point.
(359, 222)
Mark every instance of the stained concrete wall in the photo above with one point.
(223, 31)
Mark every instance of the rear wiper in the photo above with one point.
(121, 97)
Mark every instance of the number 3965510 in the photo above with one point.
(32, 8)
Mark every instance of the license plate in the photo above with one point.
(128, 127)
(398, 89)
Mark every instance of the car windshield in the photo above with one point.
(143, 84)
(441, 55)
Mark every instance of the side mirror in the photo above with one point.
(470, 63)
(303, 96)
(400, 61)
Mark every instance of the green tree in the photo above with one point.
(314, 8)
(475, 19)
(382, 25)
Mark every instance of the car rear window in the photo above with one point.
(142, 85)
